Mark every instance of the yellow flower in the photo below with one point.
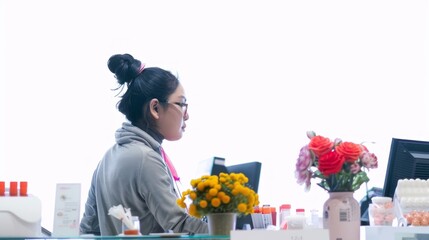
(209, 196)
(201, 186)
(245, 191)
(242, 207)
(192, 209)
(225, 199)
(193, 195)
(220, 194)
(215, 202)
(181, 203)
(203, 203)
(213, 191)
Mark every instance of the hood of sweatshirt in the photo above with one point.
(129, 133)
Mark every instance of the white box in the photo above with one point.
(20, 216)
(388, 232)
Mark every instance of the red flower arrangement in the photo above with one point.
(340, 165)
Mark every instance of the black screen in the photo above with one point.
(408, 159)
(252, 170)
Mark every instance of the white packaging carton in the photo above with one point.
(20, 216)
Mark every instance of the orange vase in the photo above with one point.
(341, 216)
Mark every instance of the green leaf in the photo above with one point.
(359, 178)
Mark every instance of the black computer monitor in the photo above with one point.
(252, 170)
(408, 159)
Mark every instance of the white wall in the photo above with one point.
(258, 75)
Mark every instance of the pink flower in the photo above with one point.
(304, 160)
(369, 160)
(304, 177)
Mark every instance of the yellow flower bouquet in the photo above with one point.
(223, 193)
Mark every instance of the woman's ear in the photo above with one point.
(154, 108)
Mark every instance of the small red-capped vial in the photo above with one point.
(266, 209)
(13, 189)
(285, 208)
(23, 188)
(2, 188)
(256, 209)
(300, 211)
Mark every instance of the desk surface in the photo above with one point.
(366, 233)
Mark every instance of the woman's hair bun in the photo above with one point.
(124, 66)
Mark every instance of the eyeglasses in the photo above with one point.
(183, 105)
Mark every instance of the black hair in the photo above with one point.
(143, 85)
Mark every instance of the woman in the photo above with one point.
(135, 172)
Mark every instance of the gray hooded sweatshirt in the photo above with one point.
(132, 173)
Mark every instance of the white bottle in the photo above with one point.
(315, 218)
(284, 212)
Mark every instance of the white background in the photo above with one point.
(258, 75)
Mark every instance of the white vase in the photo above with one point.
(221, 223)
(341, 216)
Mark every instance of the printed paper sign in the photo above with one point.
(67, 210)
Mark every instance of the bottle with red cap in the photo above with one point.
(300, 211)
(266, 214)
(284, 211)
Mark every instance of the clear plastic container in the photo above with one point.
(295, 222)
(132, 231)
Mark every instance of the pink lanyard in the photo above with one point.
(170, 165)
